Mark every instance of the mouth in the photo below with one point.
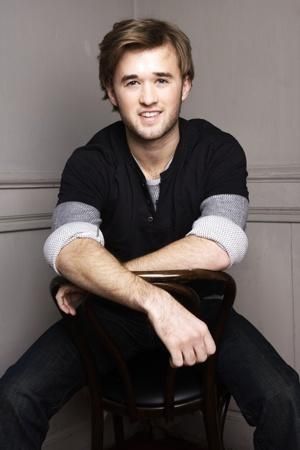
(150, 114)
(150, 118)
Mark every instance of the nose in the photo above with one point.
(148, 94)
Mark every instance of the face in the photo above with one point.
(148, 90)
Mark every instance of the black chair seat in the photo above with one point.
(148, 374)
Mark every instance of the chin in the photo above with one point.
(146, 134)
(152, 133)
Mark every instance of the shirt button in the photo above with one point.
(150, 219)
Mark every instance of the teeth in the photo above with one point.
(150, 114)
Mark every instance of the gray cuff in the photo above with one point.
(225, 233)
(232, 206)
(65, 234)
(74, 212)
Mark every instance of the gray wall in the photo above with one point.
(50, 103)
(247, 82)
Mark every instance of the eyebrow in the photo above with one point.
(163, 74)
(157, 74)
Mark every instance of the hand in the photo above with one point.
(69, 297)
(186, 337)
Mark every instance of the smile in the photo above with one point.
(150, 114)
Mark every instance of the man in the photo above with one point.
(150, 192)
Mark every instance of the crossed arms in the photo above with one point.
(91, 267)
(86, 263)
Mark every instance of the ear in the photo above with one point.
(186, 87)
(112, 96)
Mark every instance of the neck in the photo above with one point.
(153, 155)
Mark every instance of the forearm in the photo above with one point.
(87, 264)
(90, 266)
(190, 252)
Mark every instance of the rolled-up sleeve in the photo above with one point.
(223, 220)
(72, 220)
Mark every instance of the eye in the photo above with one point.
(162, 81)
(131, 83)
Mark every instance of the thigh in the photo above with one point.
(48, 373)
(130, 330)
(251, 368)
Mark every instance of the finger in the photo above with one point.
(209, 344)
(74, 298)
(64, 308)
(64, 305)
(176, 359)
(72, 311)
(68, 309)
(201, 353)
(59, 295)
(189, 357)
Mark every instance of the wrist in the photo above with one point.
(155, 300)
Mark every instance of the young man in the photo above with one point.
(150, 192)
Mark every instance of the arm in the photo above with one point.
(90, 266)
(217, 239)
(190, 252)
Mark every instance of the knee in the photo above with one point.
(284, 396)
(21, 406)
(278, 424)
(287, 396)
(276, 397)
(23, 422)
(13, 391)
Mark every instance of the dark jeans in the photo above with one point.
(266, 389)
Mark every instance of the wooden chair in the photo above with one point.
(147, 386)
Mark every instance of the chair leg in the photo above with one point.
(118, 430)
(223, 411)
(97, 423)
(212, 424)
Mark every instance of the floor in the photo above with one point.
(139, 443)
